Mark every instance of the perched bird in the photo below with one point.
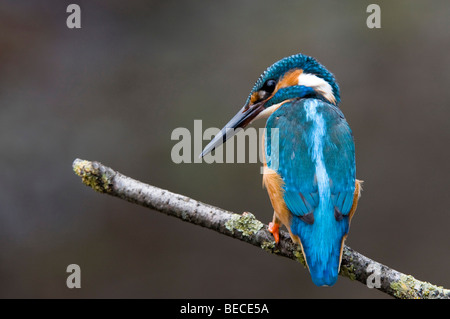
(309, 169)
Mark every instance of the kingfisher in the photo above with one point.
(309, 167)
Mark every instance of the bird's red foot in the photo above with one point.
(274, 228)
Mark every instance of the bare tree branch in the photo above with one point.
(247, 228)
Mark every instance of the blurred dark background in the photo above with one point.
(114, 90)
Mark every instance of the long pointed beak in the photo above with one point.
(240, 120)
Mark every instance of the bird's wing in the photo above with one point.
(340, 163)
(294, 162)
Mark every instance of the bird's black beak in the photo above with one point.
(240, 120)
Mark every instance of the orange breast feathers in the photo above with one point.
(274, 185)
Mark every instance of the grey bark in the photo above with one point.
(247, 228)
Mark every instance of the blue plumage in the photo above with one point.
(290, 92)
(316, 160)
(306, 63)
(310, 158)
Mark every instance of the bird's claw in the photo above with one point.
(274, 228)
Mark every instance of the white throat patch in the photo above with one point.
(268, 111)
(318, 84)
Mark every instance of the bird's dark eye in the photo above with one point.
(269, 86)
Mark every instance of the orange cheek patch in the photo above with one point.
(289, 79)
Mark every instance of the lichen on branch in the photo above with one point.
(247, 228)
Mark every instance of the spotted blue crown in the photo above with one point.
(297, 61)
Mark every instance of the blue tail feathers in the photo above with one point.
(321, 243)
